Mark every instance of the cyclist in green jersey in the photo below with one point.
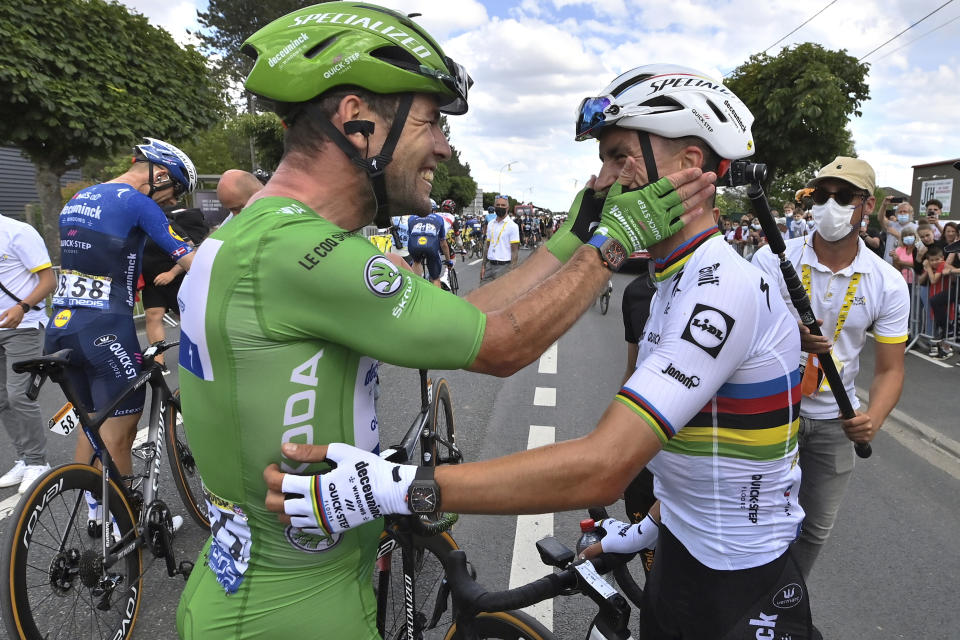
(286, 309)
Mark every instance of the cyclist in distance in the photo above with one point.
(425, 240)
(103, 229)
(285, 312)
(712, 407)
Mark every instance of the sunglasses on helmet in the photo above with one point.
(456, 79)
(843, 196)
(592, 114)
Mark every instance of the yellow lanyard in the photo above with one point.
(847, 298)
(497, 242)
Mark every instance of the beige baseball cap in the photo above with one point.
(853, 170)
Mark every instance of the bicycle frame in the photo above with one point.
(91, 423)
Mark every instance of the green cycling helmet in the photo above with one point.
(311, 51)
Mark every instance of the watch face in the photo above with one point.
(423, 499)
(614, 253)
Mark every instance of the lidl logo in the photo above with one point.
(422, 240)
(62, 318)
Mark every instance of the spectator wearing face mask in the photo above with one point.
(741, 235)
(902, 215)
(798, 226)
(903, 256)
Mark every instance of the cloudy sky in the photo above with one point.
(534, 60)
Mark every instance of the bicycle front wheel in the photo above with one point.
(431, 613)
(442, 446)
(604, 303)
(454, 281)
(504, 625)
(54, 583)
(185, 474)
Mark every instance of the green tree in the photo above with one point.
(463, 189)
(228, 23)
(732, 202)
(802, 100)
(85, 78)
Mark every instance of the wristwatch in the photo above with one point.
(612, 253)
(423, 495)
(24, 306)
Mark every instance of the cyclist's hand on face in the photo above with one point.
(316, 502)
(639, 217)
(578, 228)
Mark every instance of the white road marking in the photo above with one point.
(548, 361)
(7, 506)
(526, 565)
(936, 361)
(477, 261)
(545, 397)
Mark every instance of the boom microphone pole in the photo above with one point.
(802, 304)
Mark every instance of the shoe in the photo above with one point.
(176, 522)
(14, 476)
(934, 351)
(30, 473)
(945, 353)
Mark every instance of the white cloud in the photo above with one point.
(175, 17)
(534, 60)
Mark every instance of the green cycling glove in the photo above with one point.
(576, 230)
(640, 218)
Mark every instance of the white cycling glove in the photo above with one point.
(623, 537)
(362, 488)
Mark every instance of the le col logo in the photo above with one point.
(688, 381)
(708, 328)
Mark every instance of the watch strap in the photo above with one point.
(424, 473)
(23, 305)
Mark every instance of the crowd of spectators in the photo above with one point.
(913, 244)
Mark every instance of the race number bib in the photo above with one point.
(65, 420)
(75, 289)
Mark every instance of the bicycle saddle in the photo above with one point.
(44, 364)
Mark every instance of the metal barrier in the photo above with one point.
(934, 319)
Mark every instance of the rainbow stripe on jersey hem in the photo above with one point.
(639, 405)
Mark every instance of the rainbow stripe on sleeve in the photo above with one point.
(674, 262)
(639, 405)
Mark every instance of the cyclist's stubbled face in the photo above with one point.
(421, 147)
(617, 144)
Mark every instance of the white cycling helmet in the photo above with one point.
(177, 163)
(673, 102)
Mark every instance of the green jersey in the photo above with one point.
(284, 319)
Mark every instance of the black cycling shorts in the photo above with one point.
(162, 296)
(432, 256)
(686, 600)
(106, 356)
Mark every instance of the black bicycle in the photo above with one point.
(409, 575)
(604, 299)
(65, 575)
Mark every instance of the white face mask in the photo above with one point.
(909, 240)
(833, 220)
(755, 226)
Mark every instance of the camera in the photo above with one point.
(743, 172)
(896, 200)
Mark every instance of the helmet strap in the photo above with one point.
(375, 167)
(648, 160)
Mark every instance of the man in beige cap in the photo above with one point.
(851, 289)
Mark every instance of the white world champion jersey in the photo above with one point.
(717, 380)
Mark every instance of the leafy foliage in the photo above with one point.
(72, 93)
(802, 100)
(84, 78)
(228, 23)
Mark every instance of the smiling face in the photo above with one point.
(421, 147)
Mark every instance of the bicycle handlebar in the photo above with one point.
(474, 597)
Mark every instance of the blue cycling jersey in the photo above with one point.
(425, 232)
(474, 225)
(102, 232)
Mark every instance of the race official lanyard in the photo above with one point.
(504, 226)
(847, 298)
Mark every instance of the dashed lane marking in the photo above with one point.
(548, 361)
(545, 397)
(477, 261)
(526, 565)
(9, 504)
